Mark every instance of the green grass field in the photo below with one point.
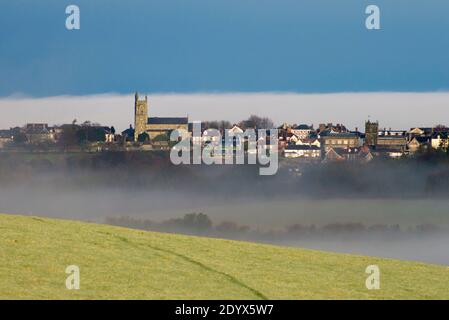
(119, 263)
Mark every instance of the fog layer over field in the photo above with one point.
(389, 209)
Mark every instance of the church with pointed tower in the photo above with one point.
(154, 126)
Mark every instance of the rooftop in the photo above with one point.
(338, 134)
(301, 147)
(303, 127)
(171, 120)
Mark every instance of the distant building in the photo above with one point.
(358, 154)
(284, 134)
(371, 133)
(6, 137)
(339, 140)
(211, 135)
(338, 128)
(420, 132)
(154, 126)
(157, 126)
(109, 134)
(302, 151)
(391, 139)
(128, 134)
(440, 140)
(235, 129)
(308, 142)
(39, 133)
(302, 131)
(332, 155)
(418, 143)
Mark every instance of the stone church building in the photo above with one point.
(154, 126)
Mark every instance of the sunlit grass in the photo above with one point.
(119, 263)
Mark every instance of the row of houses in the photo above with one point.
(42, 133)
(330, 143)
(30, 133)
(327, 142)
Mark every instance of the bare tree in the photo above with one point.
(257, 122)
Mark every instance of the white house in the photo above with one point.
(235, 129)
(302, 151)
(440, 140)
(302, 131)
(308, 142)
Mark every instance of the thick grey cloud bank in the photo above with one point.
(395, 110)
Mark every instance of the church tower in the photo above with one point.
(371, 129)
(140, 116)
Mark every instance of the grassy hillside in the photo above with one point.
(118, 263)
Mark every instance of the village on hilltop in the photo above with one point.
(326, 142)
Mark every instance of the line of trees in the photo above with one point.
(201, 224)
(74, 135)
(253, 121)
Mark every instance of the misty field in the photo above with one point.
(119, 263)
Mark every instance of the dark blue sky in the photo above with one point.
(222, 46)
